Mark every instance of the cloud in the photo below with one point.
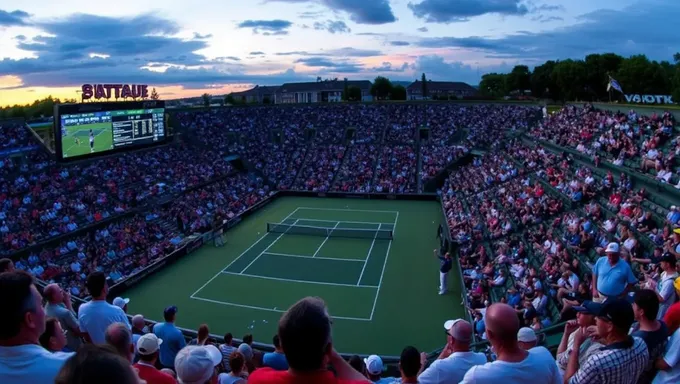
(20, 37)
(14, 18)
(399, 43)
(332, 65)
(332, 26)
(387, 67)
(445, 11)
(438, 69)
(599, 31)
(546, 19)
(342, 52)
(257, 53)
(268, 27)
(360, 11)
(423, 29)
(198, 36)
(311, 14)
(231, 58)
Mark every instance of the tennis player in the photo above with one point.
(445, 265)
(91, 141)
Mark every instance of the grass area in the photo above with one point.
(76, 141)
(381, 293)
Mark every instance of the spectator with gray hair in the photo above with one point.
(60, 307)
(455, 359)
(118, 335)
(95, 364)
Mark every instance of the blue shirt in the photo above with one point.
(445, 264)
(173, 342)
(275, 361)
(613, 280)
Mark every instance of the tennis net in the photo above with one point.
(361, 233)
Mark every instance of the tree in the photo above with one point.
(381, 88)
(229, 99)
(519, 79)
(354, 93)
(154, 94)
(494, 85)
(542, 85)
(345, 91)
(266, 100)
(570, 78)
(398, 93)
(206, 99)
(423, 80)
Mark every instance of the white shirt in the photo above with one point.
(452, 369)
(30, 364)
(95, 316)
(672, 358)
(538, 367)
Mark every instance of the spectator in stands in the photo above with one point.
(455, 359)
(375, 369)
(121, 303)
(612, 277)
(665, 289)
(138, 330)
(513, 364)
(669, 364)
(6, 265)
(227, 349)
(277, 359)
(96, 364)
(118, 336)
(53, 339)
(358, 364)
(202, 336)
(147, 348)
(22, 359)
(445, 265)
(238, 372)
(197, 364)
(305, 333)
(173, 339)
(652, 331)
(247, 352)
(585, 318)
(96, 315)
(409, 366)
(624, 357)
(526, 338)
(60, 307)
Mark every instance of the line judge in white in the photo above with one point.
(514, 365)
(456, 357)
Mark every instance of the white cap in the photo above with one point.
(612, 248)
(148, 344)
(120, 302)
(526, 335)
(673, 207)
(374, 365)
(196, 364)
(448, 324)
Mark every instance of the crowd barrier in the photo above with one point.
(377, 196)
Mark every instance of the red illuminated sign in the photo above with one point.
(107, 91)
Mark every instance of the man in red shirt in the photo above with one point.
(305, 335)
(147, 348)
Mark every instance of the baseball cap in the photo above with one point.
(448, 324)
(677, 230)
(196, 364)
(526, 335)
(246, 351)
(668, 258)
(588, 307)
(673, 207)
(148, 344)
(612, 248)
(171, 310)
(120, 302)
(374, 365)
(619, 312)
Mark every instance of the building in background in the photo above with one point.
(260, 94)
(326, 91)
(440, 90)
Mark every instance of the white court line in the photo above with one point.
(239, 256)
(299, 281)
(269, 246)
(312, 257)
(351, 210)
(270, 309)
(377, 293)
(345, 221)
(369, 255)
(326, 239)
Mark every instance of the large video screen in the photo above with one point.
(95, 128)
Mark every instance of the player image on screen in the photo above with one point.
(106, 130)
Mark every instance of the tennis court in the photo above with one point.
(370, 260)
(103, 139)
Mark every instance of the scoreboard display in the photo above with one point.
(92, 129)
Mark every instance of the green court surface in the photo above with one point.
(103, 139)
(381, 293)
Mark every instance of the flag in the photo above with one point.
(614, 84)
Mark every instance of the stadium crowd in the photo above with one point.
(543, 239)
